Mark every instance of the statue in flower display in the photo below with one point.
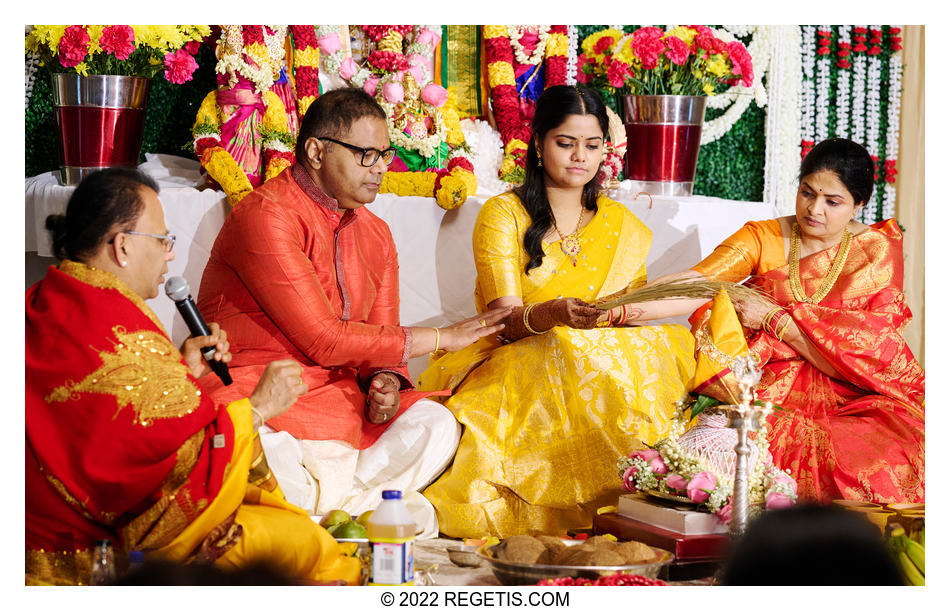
(242, 135)
(431, 154)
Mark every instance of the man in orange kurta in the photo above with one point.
(301, 270)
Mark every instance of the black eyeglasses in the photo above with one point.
(168, 239)
(370, 155)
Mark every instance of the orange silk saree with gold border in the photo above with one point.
(858, 435)
(122, 444)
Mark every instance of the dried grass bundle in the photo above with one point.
(685, 288)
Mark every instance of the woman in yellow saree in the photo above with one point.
(550, 405)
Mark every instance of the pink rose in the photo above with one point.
(725, 512)
(329, 44)
(393, 92)
(700, 486)
(348, 68)
(658, 466)
(73, 46)
(777, 500)
(179, 66)
(118, 40)
(629, 481)
(677, 50)
(676, 482)
(647, 455)
(370, 85)
(434, 94)
(781, 477)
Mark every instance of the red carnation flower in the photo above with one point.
(647, 46)
(617, 72)
(741, 62)
(193, 46)
(677, 50)
(73, 46)
(875, 50)
(118, 40)
(179, 67)
(603, 45)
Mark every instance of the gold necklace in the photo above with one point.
(570, 245)
(798, 291)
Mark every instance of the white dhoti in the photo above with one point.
(320, 476)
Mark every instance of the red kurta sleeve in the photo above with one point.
(267, 246)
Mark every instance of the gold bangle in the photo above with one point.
(524, 318)
(767, 319)
(788, 323)
(254, 412)
(437, 337)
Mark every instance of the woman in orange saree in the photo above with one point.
(832, 352)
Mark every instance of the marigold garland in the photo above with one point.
(506, 106)
(306, 68)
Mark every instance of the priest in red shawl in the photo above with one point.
(301, 269)
(831, 349)
(121, 441)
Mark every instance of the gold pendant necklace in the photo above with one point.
(794, 252)
(570, 245)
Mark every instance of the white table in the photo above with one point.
(437, 270)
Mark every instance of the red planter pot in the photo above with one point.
(100, 121)
(663, 134)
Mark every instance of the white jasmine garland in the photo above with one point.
(783, 131)
(515, 33)
(859, 97)
(808, 83)
(572, 55)
(32, 62)
(843, 99)
(822, 90)
(873, 124)
(892, 144)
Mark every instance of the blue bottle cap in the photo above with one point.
(391, 494)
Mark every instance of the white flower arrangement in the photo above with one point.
(32, 63)
(783, 131)
(424, 146)
(822, 92)
(873, 122)
(480, 137)
(808, 84)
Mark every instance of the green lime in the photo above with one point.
(337, 516)
(349, 530)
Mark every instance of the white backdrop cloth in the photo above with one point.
(436, 266)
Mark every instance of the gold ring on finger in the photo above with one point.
(482, 322)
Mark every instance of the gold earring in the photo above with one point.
(539, 161)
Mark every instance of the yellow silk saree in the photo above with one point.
(546, 417)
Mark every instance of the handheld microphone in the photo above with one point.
(177, 290)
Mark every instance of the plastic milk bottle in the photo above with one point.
(391, 530)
